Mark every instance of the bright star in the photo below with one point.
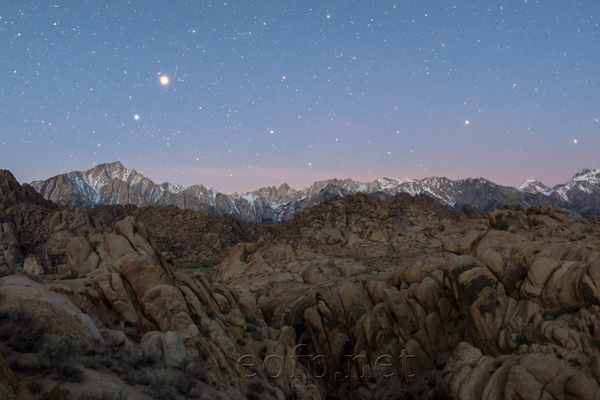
(164, 80)
(575, 141)
(136, 117)
(466, 122)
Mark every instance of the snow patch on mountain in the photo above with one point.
(115, 184)
(533, 186)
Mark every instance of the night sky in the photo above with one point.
(243, 94)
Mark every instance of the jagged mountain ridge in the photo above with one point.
(114, 184)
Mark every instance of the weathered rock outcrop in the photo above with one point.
(182, 319)
(503, 299)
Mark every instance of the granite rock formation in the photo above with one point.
(359, 297)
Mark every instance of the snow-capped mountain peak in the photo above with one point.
(588, 175)
(115, 184)
(532, 186)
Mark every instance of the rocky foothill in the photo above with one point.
(359, 297)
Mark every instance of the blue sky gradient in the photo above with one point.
(262, 93)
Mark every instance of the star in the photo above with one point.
(575, 141)
(466, 122)
(136, 117)
(164, 80)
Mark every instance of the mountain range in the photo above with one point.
(112, 183)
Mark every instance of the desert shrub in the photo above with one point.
(575, 362)
(60, 351)
(95, 347)
(56, 393)
(250, 318)
(133, 377)
(258, 335)
(165, 384)
(110, 363)
(33, 368)
(257, 387)
(162, 387)
(34, 387)
(262, 352)
(136, 360)
(23, 330)
(196, 371)
(105, 396)
(572, 308)
(68, 276)
(574, 326)
(551, 314)
(196, 393)
(226, 310)
(121, 396)
(96, 352)
(68, 373)
(60, 357)
(292, 396)
(204, 330)
(521, 339)
(196, 318)
(100, 353)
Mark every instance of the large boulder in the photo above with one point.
(470, 374)
(61, 315)
(82, 258)
(32, 267)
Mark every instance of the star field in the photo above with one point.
(244, 94)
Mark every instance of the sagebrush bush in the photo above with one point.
(196, 372)
(166, 384)
(59, 351)
(57, 393)
(31, 368)
(105, 396)
(258, 334)
(257, 387)
(34, 387)
(60, 355)
(23, 330)
(133, 377)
